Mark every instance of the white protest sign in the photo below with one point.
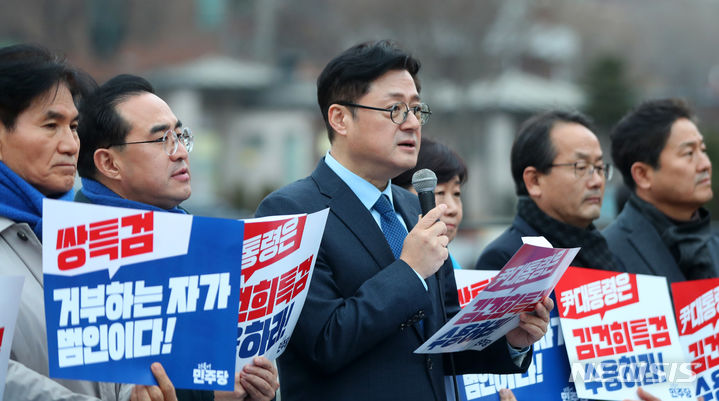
(620, 334)
(278, 258)
(529, 276)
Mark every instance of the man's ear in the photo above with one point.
(3, 135)
(642, 174)
(338, 117)
(531, 178)
(106, 164)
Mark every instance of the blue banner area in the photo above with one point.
(180, 311)
(546, 379)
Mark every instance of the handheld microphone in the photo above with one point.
(424, 182)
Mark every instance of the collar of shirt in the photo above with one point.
(366, 192)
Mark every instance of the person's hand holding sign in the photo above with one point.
(164, 391)
(256, 382)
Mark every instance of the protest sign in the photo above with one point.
(620, 334)
(10, 290)
(471, 282)
(125, 288)
(529, 276)
(696, 304)
(278, 258)
(547, 377)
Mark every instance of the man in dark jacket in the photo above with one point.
(382, 282)
(663, 229)
(559, 174)
(135, 153)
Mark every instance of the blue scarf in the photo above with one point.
(21, 202)
(454, 262)
(102, 195)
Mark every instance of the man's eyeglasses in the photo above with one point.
(170, 141)
(584, 169)
(398, 112)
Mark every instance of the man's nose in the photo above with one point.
(596, 178)
(181, 153)
(69, 142)
(705, 162)
(411, 122)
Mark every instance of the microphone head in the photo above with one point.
(424, 180)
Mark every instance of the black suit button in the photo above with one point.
(22, 235)
(429, 362)
(402, 326)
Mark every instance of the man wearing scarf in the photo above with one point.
(38, 158)
(135, 154)
(663, 229)
(559, 175)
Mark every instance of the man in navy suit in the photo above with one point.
(382, 282)
(663, 229)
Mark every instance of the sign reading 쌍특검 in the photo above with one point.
(125, 288)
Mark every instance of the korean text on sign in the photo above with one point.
(622, 337)
(113, 238)
(625, 372)
(280, 239)
(116, 317)
(259, 300)
(701, 311)
(597, 295)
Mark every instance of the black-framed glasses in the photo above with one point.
(584, 169)
(398, 112)
(170, 141)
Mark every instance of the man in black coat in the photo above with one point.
(559, 174)
(663, 229)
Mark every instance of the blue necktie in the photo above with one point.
(392, 228)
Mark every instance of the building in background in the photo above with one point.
(256, 128)
(242, 74)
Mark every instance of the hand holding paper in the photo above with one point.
(257, 381)
(502, 306)
(532, 325)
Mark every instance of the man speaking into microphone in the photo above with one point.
(375, 295)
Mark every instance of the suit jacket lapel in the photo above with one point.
(348, 209)
(351, 212)
(641, 235)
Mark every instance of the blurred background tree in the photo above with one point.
(608, 91)
(242, 74)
